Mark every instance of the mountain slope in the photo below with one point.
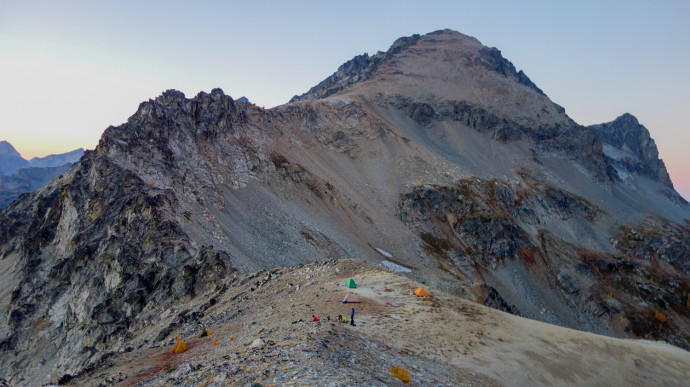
(438, 153)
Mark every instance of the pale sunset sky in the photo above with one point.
(70, 69)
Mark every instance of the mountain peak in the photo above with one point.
(443, 65)
(6, 149)
(627, 118)
(10, 159)
(361, 67)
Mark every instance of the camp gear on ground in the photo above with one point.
(351, 298)
(350, 283)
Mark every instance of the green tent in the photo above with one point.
(350, 283)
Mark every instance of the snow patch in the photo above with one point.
(395, 267)
(617, 153)
(384, 253)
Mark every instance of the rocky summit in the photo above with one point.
(437, 158)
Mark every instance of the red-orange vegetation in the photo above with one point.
(660, 317)
(180, 346)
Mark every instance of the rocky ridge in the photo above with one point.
(261, 331)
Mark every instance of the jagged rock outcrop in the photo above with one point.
(494, 61)
(478, 229)
(631, 149)
(437, 152)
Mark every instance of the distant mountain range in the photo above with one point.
(18, 175)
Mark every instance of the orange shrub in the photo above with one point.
(660, 317)
(215, 342)
(401, 373)
(180, 346)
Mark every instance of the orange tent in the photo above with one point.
(421, 293)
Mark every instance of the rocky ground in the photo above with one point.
(261, 331)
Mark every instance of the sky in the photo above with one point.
(70, 69)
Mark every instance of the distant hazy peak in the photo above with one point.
(6, 149)
(56, 160)
(10, 159)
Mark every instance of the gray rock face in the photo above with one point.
(494, 61)
(487, 217)
(632, 149)
(93, 262)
